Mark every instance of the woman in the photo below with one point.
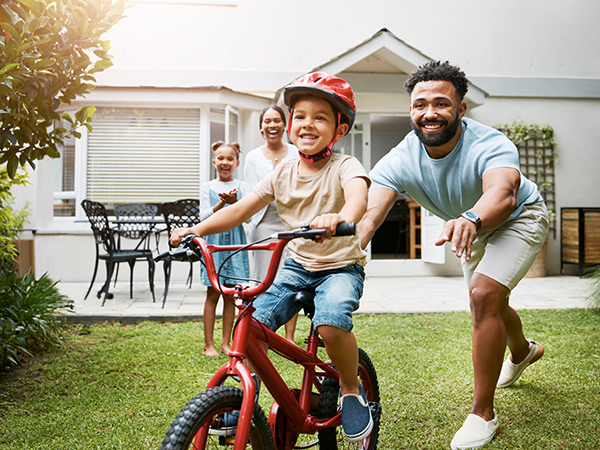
(259, 162)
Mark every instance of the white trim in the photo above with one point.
(191, 2)
(586, 88)
(81, 145)
(204, 175)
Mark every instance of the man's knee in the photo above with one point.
(487, 297)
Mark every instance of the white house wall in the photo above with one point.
(261, 45)
(578, 165)
(258, 46)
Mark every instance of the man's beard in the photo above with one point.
(443, 138)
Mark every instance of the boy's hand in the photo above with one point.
(327, 221)
(178, 234)
(229, 197)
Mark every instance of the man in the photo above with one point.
(496, 221)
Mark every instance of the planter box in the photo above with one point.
(579, 237)
(26, 259)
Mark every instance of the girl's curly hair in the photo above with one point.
(439, 71)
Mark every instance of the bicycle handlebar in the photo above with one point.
(192, 248)
(184, 251)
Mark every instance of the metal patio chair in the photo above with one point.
(135, 225)
(104, 237)
(178, 214)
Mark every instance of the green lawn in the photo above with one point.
(119, 386)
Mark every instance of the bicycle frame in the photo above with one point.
(248, 340)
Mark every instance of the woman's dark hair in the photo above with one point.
(439, 71)
(265, 109)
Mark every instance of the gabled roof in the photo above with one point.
(385, 53)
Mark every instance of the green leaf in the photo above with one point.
(8, 68)
(12, 165)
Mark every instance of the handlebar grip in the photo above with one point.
(161, 256)
(345, 229)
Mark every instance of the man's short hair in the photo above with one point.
(439, 71)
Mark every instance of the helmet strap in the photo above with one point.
(326, 151)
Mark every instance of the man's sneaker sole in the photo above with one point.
(476, 445)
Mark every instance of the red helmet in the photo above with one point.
(325, 86)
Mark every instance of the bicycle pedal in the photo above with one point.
(376, 410)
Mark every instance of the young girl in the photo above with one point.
(217, 194)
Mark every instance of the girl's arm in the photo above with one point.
(224, 219)
(205, 208)
(355, 196)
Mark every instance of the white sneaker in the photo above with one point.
(511, 371)
(475, 432)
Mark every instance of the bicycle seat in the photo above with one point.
(306, 299)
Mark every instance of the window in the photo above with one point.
(143, 155)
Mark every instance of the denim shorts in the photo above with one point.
(337, 295)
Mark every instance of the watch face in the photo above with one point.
(471, 215)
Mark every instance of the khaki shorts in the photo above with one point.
(506, 253)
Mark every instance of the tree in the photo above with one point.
(49, 51)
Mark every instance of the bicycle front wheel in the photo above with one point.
(333, 438)
(208, 409)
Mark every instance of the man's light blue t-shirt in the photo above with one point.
(453, 184)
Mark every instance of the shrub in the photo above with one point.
(28, 307)
(29, 319)
(594, 297)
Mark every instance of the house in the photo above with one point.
(188, 72)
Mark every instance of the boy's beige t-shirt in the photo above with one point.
(301, 198)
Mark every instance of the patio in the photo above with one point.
(381, 295)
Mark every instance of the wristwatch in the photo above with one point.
(472, 217)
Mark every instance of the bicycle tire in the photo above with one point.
(203, 409)
(333, 438)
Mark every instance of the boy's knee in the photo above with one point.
(331, 333)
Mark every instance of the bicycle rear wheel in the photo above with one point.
(207, 409)
(333, 438)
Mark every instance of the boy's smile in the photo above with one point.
(313, 125)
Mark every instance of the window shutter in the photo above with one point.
(143, 155)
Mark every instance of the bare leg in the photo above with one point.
(210, 308)
(342, 349)
(518, 345)
(228, 318)
(489, 310)
(290, 328)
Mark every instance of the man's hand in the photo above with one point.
(178, 234)
(460, 233)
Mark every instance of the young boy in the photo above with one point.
(321, 188)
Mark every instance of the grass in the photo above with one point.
(119, 386)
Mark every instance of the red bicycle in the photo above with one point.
(311, 409)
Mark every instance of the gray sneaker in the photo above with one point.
(511, 371)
